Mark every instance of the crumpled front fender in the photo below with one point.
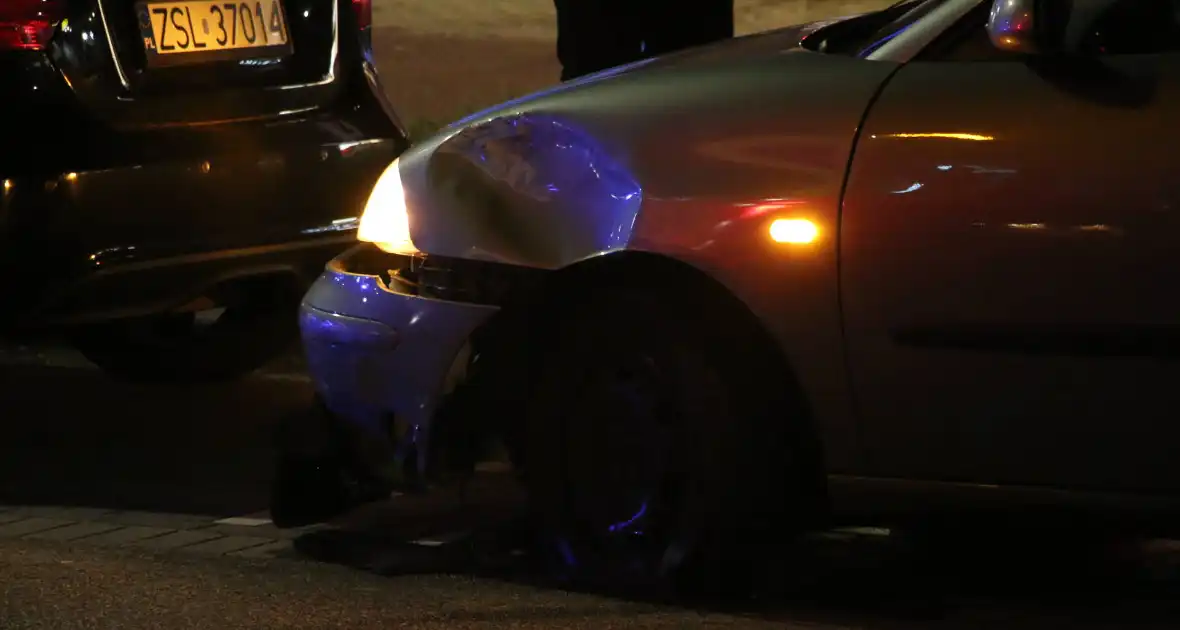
(526, 189)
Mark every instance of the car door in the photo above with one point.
(1010, 259)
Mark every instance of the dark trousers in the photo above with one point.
(594, 35)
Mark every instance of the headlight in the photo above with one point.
(385, 222)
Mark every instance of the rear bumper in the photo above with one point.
(140, 289)
(136, 238)
(381, 362)
(129, 211)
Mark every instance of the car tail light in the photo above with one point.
(364, 13)
(28, 24)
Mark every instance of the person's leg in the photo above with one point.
(570, 38)
(715, 22)
(594, 35)
(673, 25)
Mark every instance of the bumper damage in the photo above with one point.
(389, 342)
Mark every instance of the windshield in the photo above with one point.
(910, 13)
(863, 34)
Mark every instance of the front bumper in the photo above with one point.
(382, 362)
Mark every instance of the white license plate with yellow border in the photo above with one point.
(197, 31)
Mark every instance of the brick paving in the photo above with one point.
(162, 532)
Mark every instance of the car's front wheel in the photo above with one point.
(655, 447)
(235, 336)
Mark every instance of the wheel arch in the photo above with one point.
(531, 309)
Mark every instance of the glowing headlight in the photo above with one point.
(385, 222)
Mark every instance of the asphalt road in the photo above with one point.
(143, 507)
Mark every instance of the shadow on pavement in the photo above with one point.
(973, 578)
(73, 437)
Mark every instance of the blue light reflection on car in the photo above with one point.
(625, 525)
(544, 163)
(912, 187)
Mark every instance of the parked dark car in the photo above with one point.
(913, 261)
(175, 173)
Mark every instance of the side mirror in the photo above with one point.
(1012, 26)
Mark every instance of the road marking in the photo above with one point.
(157, 519)
(254, 537)
(176, 540)
(243, 521)
(227, 544)
(439, 541)
(263, 552)
(864, 531)
(32, 525)
(75, 531)
(127, 535)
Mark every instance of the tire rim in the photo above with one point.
(618, 438)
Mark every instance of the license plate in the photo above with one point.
(196, 31)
